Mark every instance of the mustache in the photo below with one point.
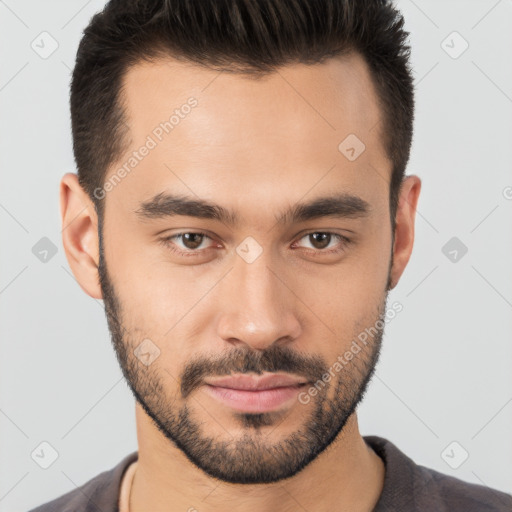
(276, 359)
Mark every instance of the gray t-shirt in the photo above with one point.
(408, 487)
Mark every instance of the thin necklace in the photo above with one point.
(127, 483)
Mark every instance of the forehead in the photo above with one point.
(277, 133)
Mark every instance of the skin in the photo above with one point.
(256, 148)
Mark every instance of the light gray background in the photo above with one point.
(444, 374)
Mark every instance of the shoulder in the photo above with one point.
(457, 494)
(410, 486)
(99, 493)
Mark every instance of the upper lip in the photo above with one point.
(252, 382)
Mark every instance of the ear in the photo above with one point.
(80, 234)
(404, 229)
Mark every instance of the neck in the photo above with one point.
(348, 475)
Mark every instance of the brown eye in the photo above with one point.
(192, 240)
(324, 242)
(320, 240)
(188, 243)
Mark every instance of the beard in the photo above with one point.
(250, 458)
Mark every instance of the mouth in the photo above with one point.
(257, 395)
(257, 383)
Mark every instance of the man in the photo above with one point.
(242, 209)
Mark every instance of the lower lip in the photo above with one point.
(254, 401)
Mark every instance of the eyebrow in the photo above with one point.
(165, 205)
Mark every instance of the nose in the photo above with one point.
(257, 307)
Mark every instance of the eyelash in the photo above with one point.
(167, 242)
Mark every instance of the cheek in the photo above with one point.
(147, 288)
(162, 302)
(347, 297)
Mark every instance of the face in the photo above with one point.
(244, 241)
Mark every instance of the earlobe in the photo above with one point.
(404, 229)
(80, 234)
